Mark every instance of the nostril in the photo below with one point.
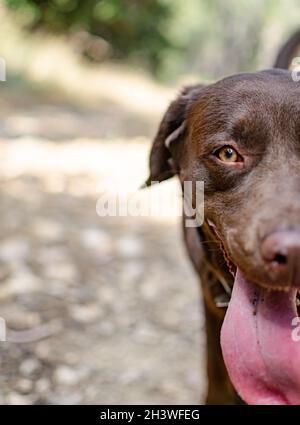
(280, 259)
(276, 249)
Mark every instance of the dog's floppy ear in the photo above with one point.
(171, 130)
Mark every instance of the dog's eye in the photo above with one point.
(227, 154)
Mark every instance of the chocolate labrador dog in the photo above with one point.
(241, 137)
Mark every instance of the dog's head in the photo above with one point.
(241, 137)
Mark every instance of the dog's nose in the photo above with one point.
(281, 254)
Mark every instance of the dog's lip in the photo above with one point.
(230, 264)
(232, 267)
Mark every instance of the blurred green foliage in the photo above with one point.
(212, 38)
(132, 28)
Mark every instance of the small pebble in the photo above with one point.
(65, 375)
(30, 367)
(42, 385)
(14, 398)
(24, 386)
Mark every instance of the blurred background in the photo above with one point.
(105, 309)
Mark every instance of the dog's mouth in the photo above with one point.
(260, 340)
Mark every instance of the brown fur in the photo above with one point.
(258, 114)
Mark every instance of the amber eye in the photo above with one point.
(227, 154)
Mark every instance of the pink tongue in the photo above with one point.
(261, 356)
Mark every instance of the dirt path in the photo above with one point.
(112, 302)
